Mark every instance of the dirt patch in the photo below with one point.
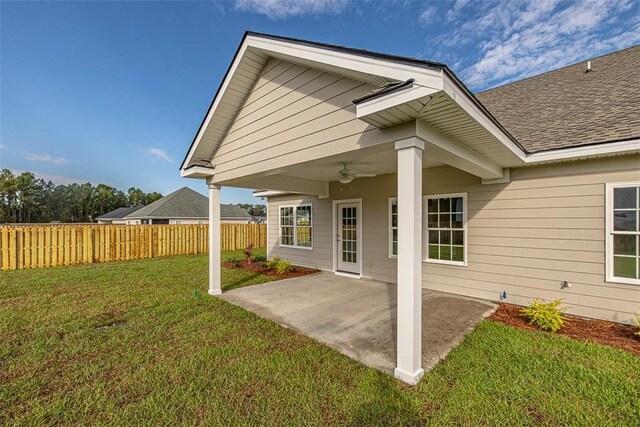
(579, 328)
(260, 267)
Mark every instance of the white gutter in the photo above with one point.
(576, 153)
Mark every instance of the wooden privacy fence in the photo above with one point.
(55, 245)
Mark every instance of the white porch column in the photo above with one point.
(409, 309)
(214, 238)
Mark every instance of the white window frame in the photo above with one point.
(609, 233)
(178, 222)
(391, 254)
(425, 229)
(295, 226)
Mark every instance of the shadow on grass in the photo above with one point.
(252, 279)
(385, 403)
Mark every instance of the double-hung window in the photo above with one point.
(623, 232)
(296, 226)
(446, 229)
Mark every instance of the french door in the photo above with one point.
(348, 238)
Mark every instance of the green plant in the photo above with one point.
(284, 267)
(273, 263)
(637, 332)
(548, 316)
(235, 261)
(259, 258)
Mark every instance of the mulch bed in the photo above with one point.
(258, 267)
(579, 328)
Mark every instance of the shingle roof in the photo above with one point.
(182, 203)
(233, 211)
(187, 203)
(120, 212)
(569, 107)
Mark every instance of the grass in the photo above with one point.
(134, 343)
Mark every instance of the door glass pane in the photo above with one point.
(349, 234)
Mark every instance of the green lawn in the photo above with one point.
(134, 343)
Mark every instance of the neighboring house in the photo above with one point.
(117, 216)
(185, 206)
(389, 168)
(234, 214)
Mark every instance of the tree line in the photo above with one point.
(254, 210)
(25, 198)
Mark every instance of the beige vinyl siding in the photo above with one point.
(545, 226)
(290, 111)
(524, 237)
(319, 256)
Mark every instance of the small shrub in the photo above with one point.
(548, 316)
(248, 252)
(235, 261)
(637, 325)
(259, 258)
(273, 264)
(284, 267)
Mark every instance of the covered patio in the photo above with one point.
(302, 119)
(357, 317)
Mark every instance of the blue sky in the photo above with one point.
(114, 91)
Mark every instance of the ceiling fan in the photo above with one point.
(347, 175)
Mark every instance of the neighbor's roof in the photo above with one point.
(182, 203)
(233, 212)
(569, 107)
(120, 212)
(187, 203)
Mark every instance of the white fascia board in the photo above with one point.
(199, 172)
(364, 64)
(470, 107)
(217, 100)
(576, 153)
(290, 184)
(452, 152)
(393, 99)
(269, 193)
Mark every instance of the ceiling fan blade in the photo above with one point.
(364, 175)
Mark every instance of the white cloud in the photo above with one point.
(282, 9)
(428, 14)
(455, 10)
(47, 158)
(514, 40)
(157, 154)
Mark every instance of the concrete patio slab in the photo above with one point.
(357, 317)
